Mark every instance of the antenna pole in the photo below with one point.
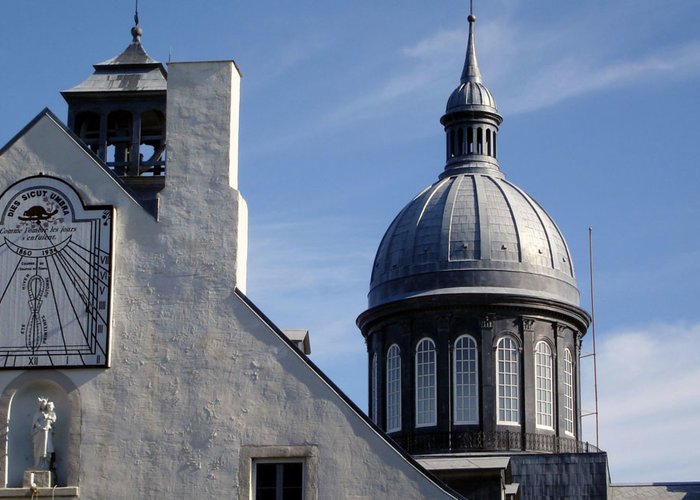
(595, 365)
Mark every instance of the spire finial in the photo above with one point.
(471, 68)
(136, 31)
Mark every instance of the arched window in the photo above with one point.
(393, 389)
(543, 385)
(375, 388)
(460, 141)
(568, 392)
(425, 384)
(466, 381)
(508, 388)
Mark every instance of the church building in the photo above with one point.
(132, 364)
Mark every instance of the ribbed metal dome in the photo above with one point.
(470, 96)
(473, 234)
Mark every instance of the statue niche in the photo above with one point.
(41, 411)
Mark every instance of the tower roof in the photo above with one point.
(133, 70)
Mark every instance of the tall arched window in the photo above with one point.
(543, 385)
(466, 381)
(425, 384)
(393, 389)
(507, 371)
(375, 388)
(568, 392)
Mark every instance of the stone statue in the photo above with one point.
(42, 434)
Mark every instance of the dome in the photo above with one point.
(473, 233)
(471, 95)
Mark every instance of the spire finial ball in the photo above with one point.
(471, 18)
(136, 32)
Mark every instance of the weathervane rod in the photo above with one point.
(136, 13)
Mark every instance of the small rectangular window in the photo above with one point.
(279, 480)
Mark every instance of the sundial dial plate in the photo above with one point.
(55, 277)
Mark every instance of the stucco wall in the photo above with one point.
(198, 383)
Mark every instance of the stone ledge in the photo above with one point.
(58, 492)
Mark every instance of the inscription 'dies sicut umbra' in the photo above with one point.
(55, 277)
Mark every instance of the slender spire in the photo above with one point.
(471, 71)
(136, 31)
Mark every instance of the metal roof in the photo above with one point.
(463, 462)
(473, 233)
(133, 70)
(660, 491)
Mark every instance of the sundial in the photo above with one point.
(55, 277)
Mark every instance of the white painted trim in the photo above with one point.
(454, 381)
(386, 398)
(432, 349)
(498, 385)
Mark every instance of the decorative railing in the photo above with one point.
(446, 442)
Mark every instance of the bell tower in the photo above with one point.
(119, 113)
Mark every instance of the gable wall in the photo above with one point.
(198, 383)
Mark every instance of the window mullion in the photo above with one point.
(279, 482)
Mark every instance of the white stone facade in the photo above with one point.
(199, 383)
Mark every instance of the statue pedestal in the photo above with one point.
(39, 478)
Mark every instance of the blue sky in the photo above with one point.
(340, 128)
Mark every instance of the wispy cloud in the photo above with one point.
(568, 76)
(530, 68)
(649, 381)
(423, 67)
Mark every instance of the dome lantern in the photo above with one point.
(471, 120)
